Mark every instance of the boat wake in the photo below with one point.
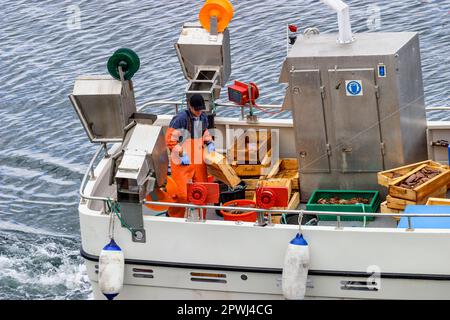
(37, 264)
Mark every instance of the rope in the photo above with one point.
(365, 218)
(111, 225)
(114, 207)
(214, 107)
(265, 111)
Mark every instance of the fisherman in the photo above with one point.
(186, 138)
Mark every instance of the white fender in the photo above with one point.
(111, 270)
(295, 269)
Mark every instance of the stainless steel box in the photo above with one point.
(104, 106)
(145, 155)
(198, 50)
(358, 108)
(205, 60)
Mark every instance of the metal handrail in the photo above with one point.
(300, 212)
(159, 102)
(263, 106)
(219, 104)
(90, 173)
(437, 109)
(233, 105)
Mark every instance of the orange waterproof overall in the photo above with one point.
(187, 136)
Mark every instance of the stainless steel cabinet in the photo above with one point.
(357, 108)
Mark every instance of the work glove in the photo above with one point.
(185, 161)
(211, 147)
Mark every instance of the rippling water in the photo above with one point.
(43, 148)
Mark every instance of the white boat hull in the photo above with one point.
(227, 260)
(171, 286)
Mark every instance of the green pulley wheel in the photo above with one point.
(127, 59)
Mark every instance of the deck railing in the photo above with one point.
(177, 105)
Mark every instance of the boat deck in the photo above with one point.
(377, 222)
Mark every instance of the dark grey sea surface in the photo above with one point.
(43, 148)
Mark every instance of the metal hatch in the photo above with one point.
(356, 118)
(309, 121)
(197, 50)
(104, 106)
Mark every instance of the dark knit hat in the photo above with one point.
(197, 102)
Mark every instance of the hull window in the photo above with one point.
(142, 270)
(143, 273)
(140, 275)
(208, 275)
(358, 286)
(209, 280)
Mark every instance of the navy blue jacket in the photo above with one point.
(185, 120)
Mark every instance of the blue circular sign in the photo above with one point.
(354, 88)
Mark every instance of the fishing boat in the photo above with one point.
(357, 103)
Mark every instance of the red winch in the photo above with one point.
(242, 93)
(203, 193)
(272, 197)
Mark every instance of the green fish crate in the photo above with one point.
(345, 195)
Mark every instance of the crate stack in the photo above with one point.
(284, 173)
(250, 153)
(249, 159)
(219, 168)
(413, 184)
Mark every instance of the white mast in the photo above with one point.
(343, 12)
